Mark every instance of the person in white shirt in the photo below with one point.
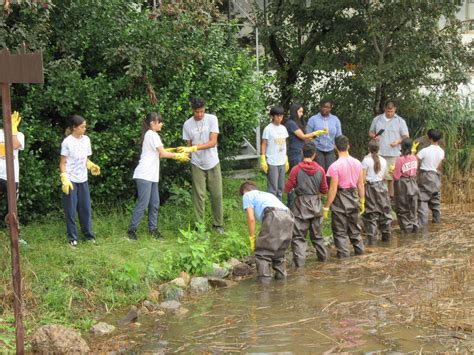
(18, 144)
(147, 175)
(377, 200)
(429, 179)
(75, 152)
(200, 132)
(273, 158)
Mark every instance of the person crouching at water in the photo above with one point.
(377, 200)
(275, 232)
(406, 188)
(307, 180)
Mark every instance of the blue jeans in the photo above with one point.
(276, 179)
(79, 200)
(148, 196)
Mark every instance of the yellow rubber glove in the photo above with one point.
(414, 147)
(391, 168)
(181, 157)
(319, 133)
(170, 150)
(325, 213)
(66, 184)
(16, 118)
(191, 149)
(252, 239)
(263, 164)
(95, 170)
(362, 205)
(2, 150)
(287, 165)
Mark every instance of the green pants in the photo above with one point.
(212, 180)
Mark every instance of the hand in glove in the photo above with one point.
(263, 164)
(181, 157)
(2, 150)
(16, 118)
(391, 168)
(191, 149)
(95, 170)
(319, 133)
(171, 150)
(287, 165)
(414, 147)
(252, 239)
(362, 205)
(66, 184)
(326, 213)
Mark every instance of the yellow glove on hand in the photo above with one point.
(170, 150)
(252, 239)
(319, 133)
(325, 213)
(263, 164)
(66, 184)
(2, 150)
(16, 118)
(414, 147)
(181, 157)
(95, 170)
(191, 149)
(362, 205)
(391, 168)
(287, 165)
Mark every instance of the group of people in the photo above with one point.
(318, 154)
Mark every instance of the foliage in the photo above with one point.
(112, 62)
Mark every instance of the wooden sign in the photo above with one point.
(21, 68)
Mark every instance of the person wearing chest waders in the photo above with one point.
(377, 200)
(307, 180)
(406, 188)
(346, 198)
(275, 232)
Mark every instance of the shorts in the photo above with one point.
(390, 162)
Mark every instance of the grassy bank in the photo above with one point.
(63, 285)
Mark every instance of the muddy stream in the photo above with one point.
(412, 294)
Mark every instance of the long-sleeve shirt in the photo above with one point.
(307, 178)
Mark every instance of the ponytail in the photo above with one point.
(374, 151)
(151, 117)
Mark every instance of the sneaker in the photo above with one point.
(22, 242)
(155, 233)
(73, 243)
(219, 230)
(91, 240)
(132, 235)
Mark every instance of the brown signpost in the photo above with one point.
(22, 68)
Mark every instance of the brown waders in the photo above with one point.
(272, 242)
(377, 211)
(406, 204)
(429, 184)
(345, 222)
(307, 210)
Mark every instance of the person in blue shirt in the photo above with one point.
(324, 120)
(275, 232)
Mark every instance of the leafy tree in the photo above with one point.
(112, 62)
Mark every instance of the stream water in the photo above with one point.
(384, 301)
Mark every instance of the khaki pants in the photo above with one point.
(211, 180)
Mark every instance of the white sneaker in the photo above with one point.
(73, 243)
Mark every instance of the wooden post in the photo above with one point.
(18, 68)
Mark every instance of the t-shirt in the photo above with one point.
(395, 128)
(259, 200)
(347, 170)
(325, 143)
(430, 157)
(368, 165)
(405, 166)
(148, 167)
(199, 132)
(276, 147)
(16, 163)
(295, 144)
(76, 150)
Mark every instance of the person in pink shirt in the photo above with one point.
(406, 188)
(346, 200)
